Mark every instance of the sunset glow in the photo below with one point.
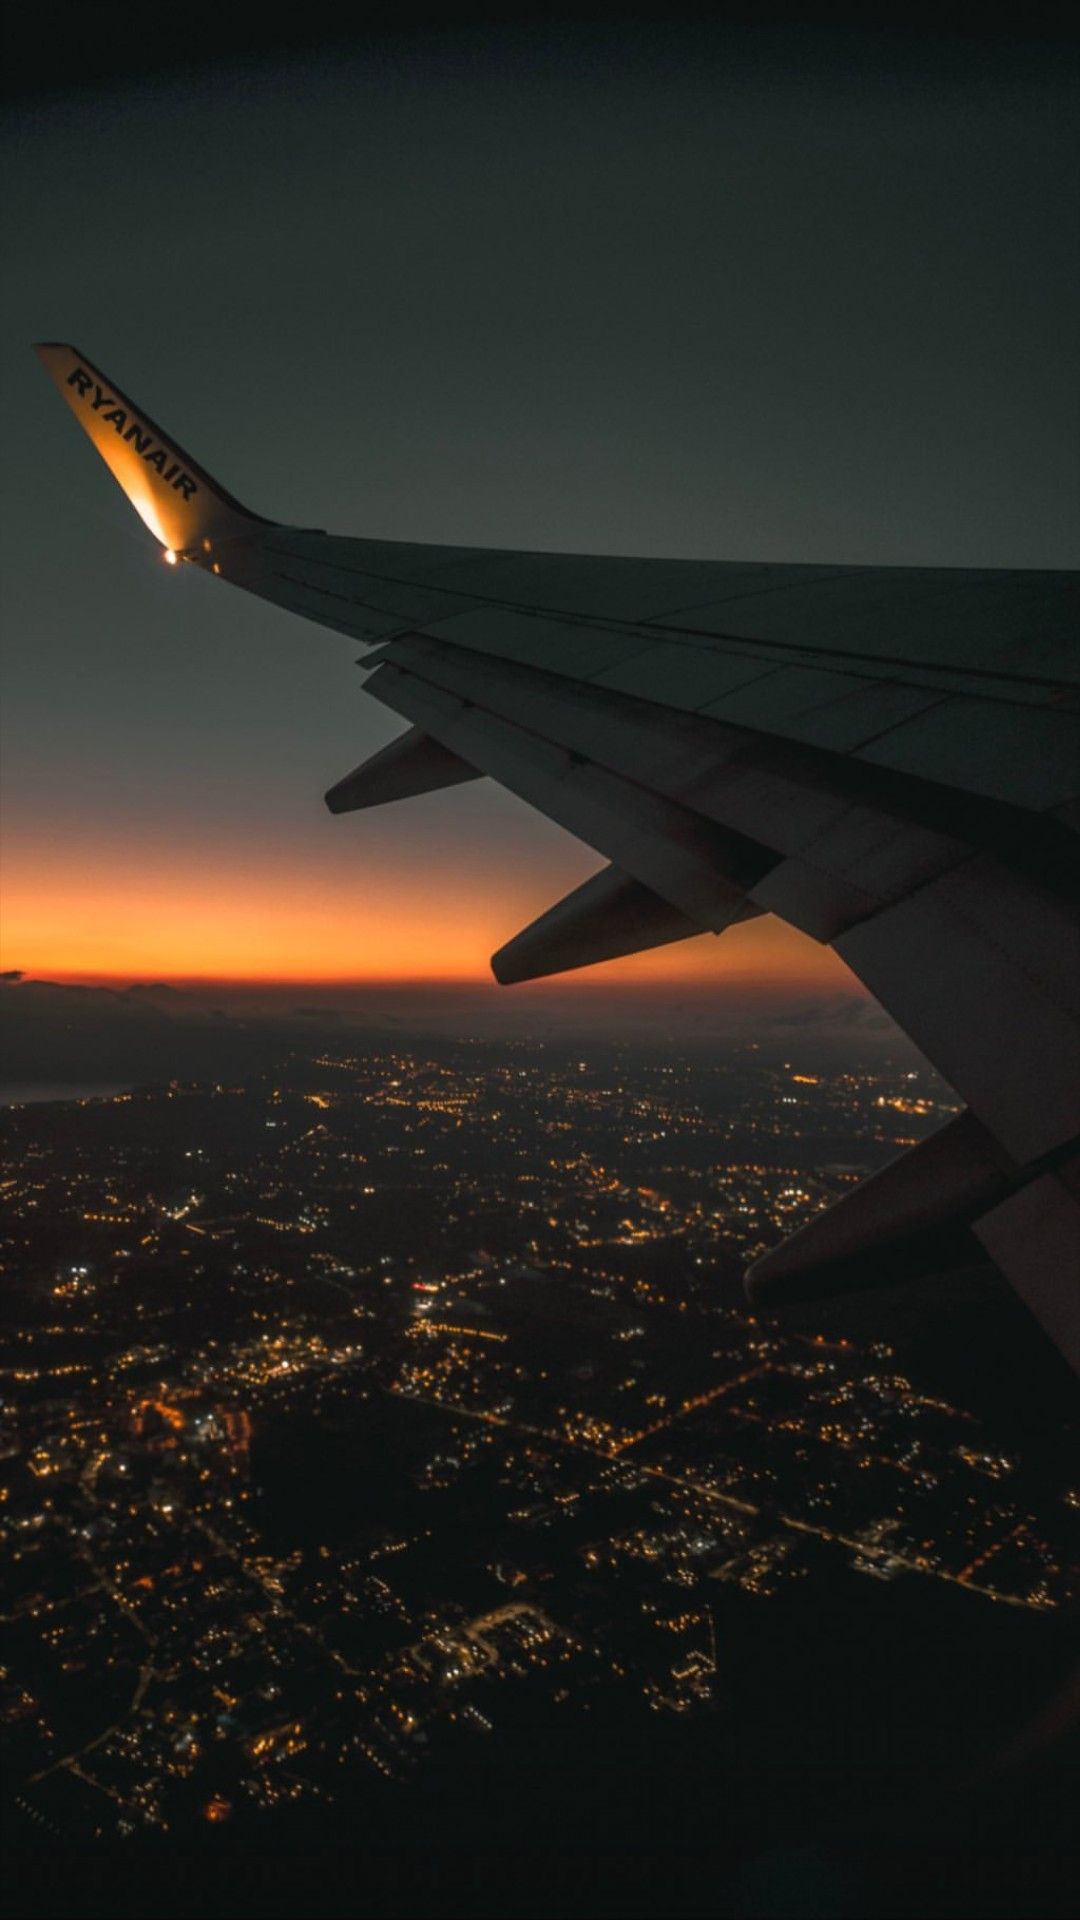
(81, 921)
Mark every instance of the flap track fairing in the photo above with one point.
(413, 763)
(609, 916)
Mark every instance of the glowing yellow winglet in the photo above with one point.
(180, 504)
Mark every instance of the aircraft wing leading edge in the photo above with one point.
(888, 758)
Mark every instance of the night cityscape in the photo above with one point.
(539, 964)
(387, 1438)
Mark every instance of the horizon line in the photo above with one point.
(587, 978)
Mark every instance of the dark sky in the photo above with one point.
(787, 294)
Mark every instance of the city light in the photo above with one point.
(501, 1284)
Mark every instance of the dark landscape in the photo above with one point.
(397, 1480)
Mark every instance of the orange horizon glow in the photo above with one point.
(92, 921)
(781, 973)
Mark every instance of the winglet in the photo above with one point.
(182, 506)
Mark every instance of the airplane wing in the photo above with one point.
(888, 758)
